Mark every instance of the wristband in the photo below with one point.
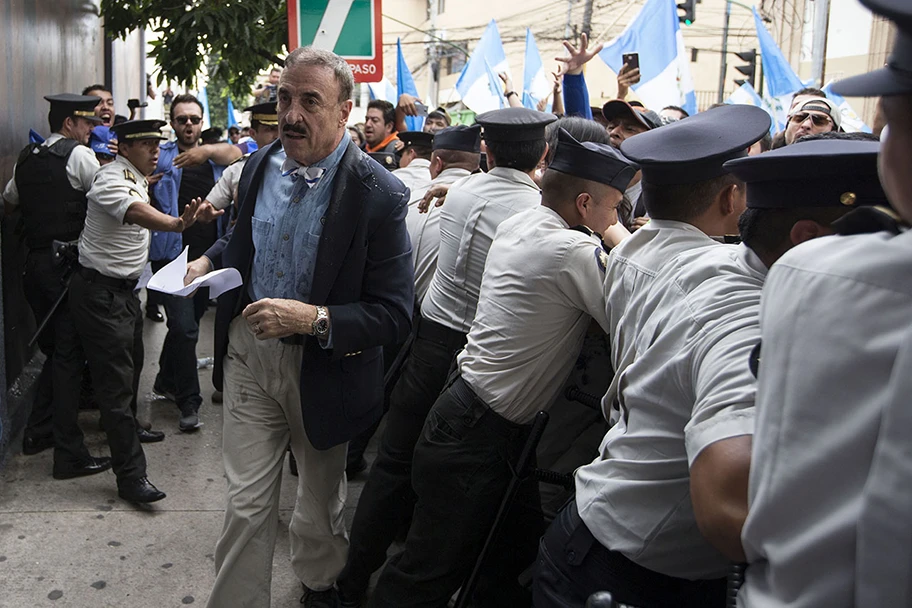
(508, 93)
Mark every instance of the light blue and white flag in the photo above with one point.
(655, 34)
(383, 90)
(535, 83)
(406, 84)
(478, 90)
(232, 118)
(780, 79)
(850, 120)
(747, 95)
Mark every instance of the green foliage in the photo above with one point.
(239, 37)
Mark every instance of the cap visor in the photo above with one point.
(873, 84)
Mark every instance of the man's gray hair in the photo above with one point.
(312, 56)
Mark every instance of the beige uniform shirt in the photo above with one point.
(831, 472)
(81, 168)
(417, 176)
(542, 287)
(683, 319)
(225, 189)
(424, 231)
(108, 244)
(474, 208)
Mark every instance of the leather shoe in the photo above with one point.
(34, 445)
(321, 599)
(139, 490)
(154, 314)
(89, 467)
(147, 436)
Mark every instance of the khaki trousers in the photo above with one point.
(262, 406)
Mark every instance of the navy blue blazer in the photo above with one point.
(363, 275)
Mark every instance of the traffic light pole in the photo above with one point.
(724, 68)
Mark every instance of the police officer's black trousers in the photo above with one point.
(462, 466)
(387, 500)
(42, 282)
(109, 323)
(572, 565)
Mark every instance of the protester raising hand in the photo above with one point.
(578, 56)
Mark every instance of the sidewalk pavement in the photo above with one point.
(74, 543)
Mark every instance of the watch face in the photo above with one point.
(321, 327)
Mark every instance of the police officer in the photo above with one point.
(541, 289)
(474, 209)
(830, 479)
(264, 129)
(113, 250)
(455, 155)
(655, 518)
(415, 160)
(49, 185)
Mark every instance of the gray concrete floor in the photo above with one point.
(75, 543)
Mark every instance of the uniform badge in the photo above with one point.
(128, 175)
(601, 258)
(135, 193)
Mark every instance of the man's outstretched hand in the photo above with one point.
(578, 57)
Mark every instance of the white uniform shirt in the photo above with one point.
(683, 318)
(424, 231)
(81, 168)
(223, 192)
(542, 287)
(417, 176)
(474, 208)
(835, 314)
(108, 244)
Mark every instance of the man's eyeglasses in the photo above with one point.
(820, 120)
(182, 120)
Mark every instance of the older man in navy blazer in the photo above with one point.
(322, 245)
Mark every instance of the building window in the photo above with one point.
(455, 60)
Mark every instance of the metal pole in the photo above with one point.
(587, 18)
(723, 70)
(433, 60)
(818, 54)
(568, 31)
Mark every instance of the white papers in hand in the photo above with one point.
(170, 279)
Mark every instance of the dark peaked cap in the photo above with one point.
(514, 124)
(693, 150)
(265, 113)
(82, 106)
(896, 78)
(820, 173)
(139, 129)
(416, 138)
(595, 162)
(460, 137)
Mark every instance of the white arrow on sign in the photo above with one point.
(331, 25)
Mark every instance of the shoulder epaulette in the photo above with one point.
(868, 220)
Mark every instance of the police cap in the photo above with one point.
(459, 137)
(693, 150)
(595, 162)
(264, 113)
(514, 124)
(896, 77)
(139, 129)
(68, 104)
(820, 173)
(416, 138)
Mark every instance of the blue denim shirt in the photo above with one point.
(168, 245)
(287, 223)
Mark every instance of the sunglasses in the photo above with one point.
(820, 120)
(182, 120)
